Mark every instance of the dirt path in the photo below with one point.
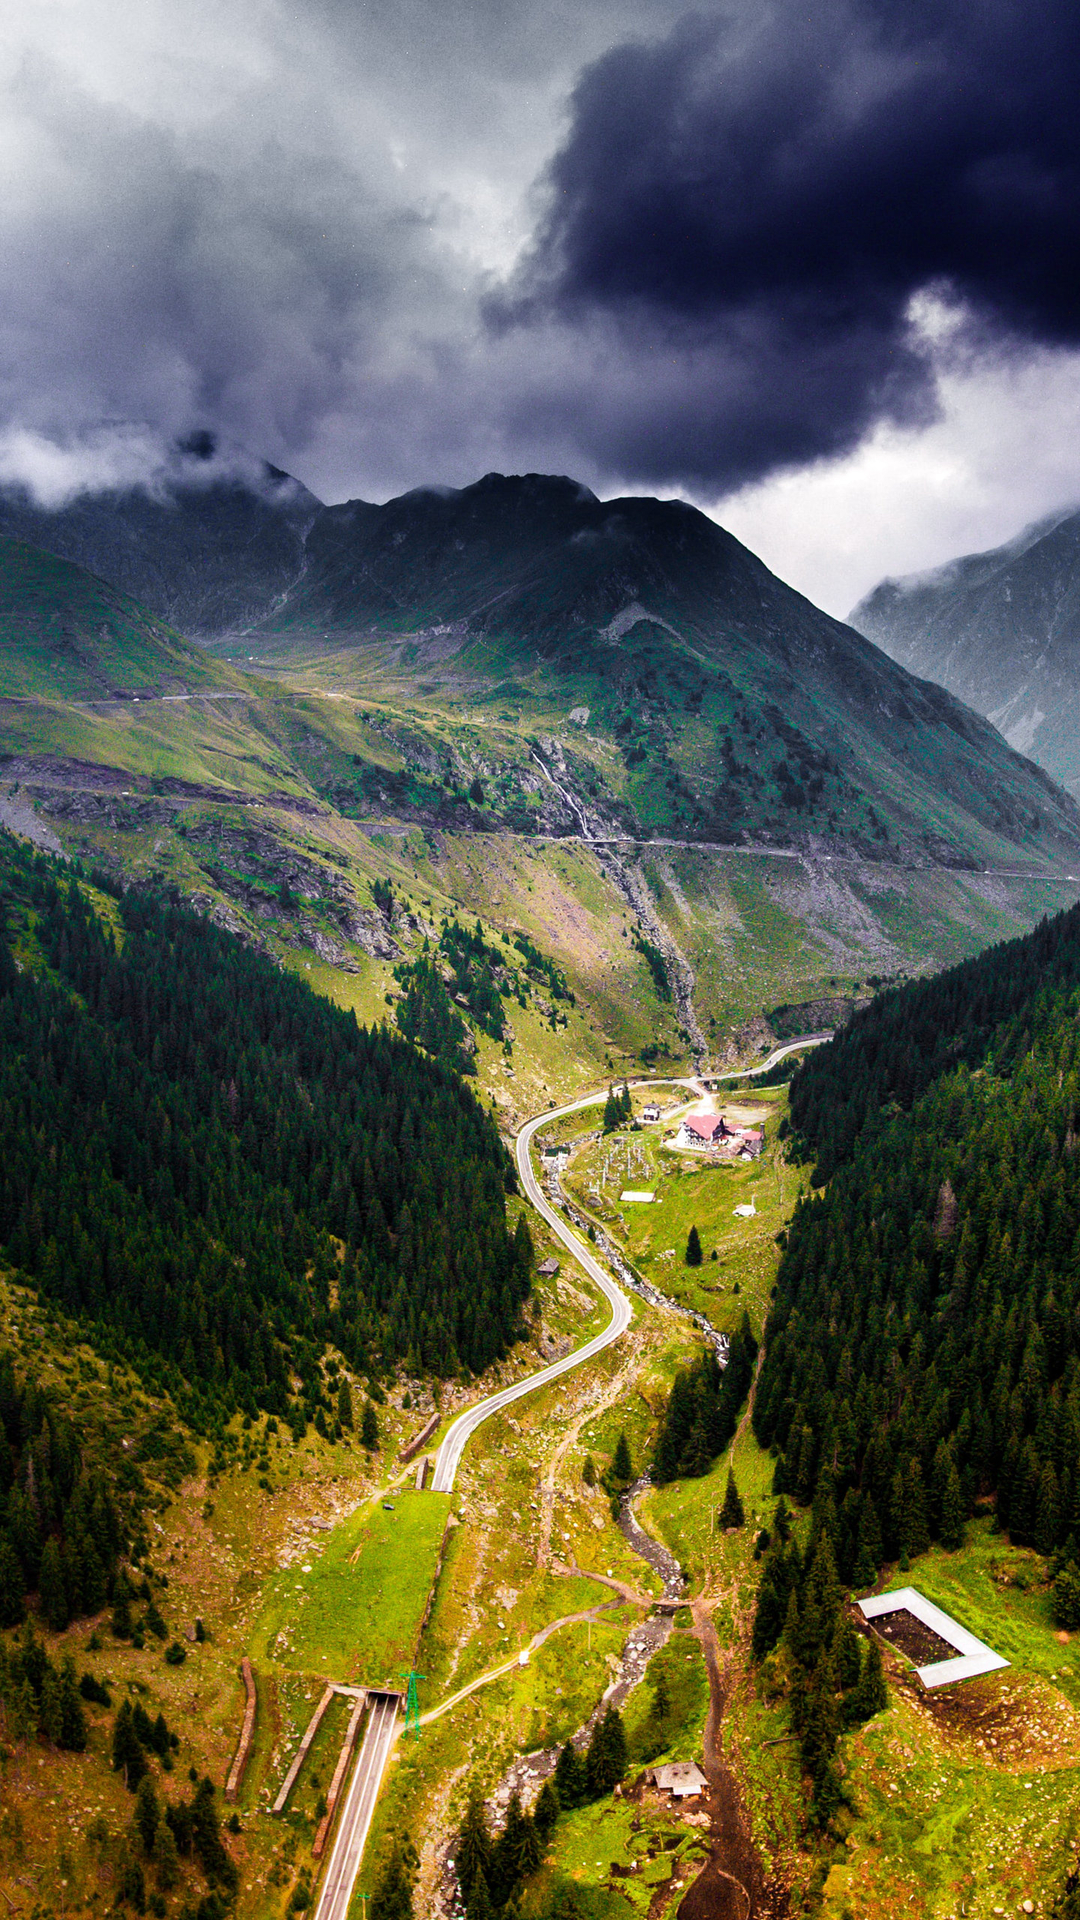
(589, 1411)
(731, 1884)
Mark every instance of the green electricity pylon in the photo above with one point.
(412, 1702)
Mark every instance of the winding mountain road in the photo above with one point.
(383, 1726)
(448, 1458)
(454, 1441)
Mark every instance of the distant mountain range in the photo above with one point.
(603, 724)
(704, 698)
(1001, 630)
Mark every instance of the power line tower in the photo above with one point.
(412, 1702)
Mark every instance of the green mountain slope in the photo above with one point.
(718, 704)
(65, 635)
(223, 1167)
(208, 548)
(608, 728)
(923, 1353)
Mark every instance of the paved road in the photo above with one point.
(348, 1848)
(781, 1053)
(449, 1455)
(448, 1458)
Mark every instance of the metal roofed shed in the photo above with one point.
(683, 1779)
(972, 1656)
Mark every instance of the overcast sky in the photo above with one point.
(812, 268)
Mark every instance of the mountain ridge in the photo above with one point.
(1001, 630)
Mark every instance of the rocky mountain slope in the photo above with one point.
(605, 727)
(1001, 630)
(207, 548)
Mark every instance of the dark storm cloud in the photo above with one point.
(757, 202)
(284, 220)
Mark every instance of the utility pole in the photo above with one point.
(412, 1702)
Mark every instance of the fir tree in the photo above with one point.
(127, 1753)
(478, 1905)
(72, 1717)
(51, 1590)
(166, 1857)
(369, 1427)
(570, 1777)
(1065, 1597)
(622, 1469)
(345, 1406)
(12, 1602)
(546, 1812)
(605, 1761)
(474, 1845)
(693, 1248)
(731, 1513)
(392, 1898)
(951, 1524)
(147, 1813)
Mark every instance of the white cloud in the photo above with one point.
(1005, 451)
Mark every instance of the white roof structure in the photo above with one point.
(638, 1195)
(972, 1656)
(682, 1779)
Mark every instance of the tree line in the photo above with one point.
(923, 1348)
(208, 1162)
(61, 1534)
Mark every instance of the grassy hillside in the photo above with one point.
(65, 635)
(566, 793)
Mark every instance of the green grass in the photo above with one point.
(591, 1841)
(355, 1616)
(691, 1191)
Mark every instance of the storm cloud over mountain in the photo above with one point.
(388, 245)
(772, 196)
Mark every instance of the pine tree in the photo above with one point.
(693, 1248)
(951, 1526)
(12, 1602)
(344, 1405)
(50, 1706)
(147, 1813)
(588, 1471)
(505, 1874)
(392, 1898)
(474, 1846)
(570, 1782)
(478, 1905)
(622, 1468)
(166, 1857)
(612, 1112)
(51, 1590)
(369, 1427)
(731, 1513)
(121, 1613)
(546, 1811)
(871, 1696)
(605, 1761)
(1065, 1597)
(72, 1717)
(127, 1754)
